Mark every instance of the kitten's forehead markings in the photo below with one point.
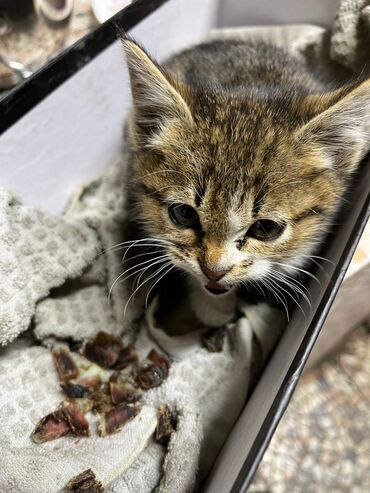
(235, 224)
(200, 191)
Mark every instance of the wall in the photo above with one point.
(77, 130)
(263, 12)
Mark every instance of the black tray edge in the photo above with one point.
(290, 382)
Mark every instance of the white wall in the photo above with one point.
(77, 130)
(262, 12)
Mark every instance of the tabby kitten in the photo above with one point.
(239, 157)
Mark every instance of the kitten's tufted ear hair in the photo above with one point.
(340, 131)
(155, 93)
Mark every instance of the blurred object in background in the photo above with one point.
(5, 24)
(54, 11)
(322, 444)
(104, 9)
(12, 72)
(34, 31)
(16, 9)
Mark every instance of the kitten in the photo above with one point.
(239, 157)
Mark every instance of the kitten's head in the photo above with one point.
(237, 184)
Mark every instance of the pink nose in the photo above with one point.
(214, 275)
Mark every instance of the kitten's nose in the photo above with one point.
(214, 275)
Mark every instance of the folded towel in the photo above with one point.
(350, 37)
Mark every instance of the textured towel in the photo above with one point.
(37, 252)
(350, 39)
(206, 390)
(51, 271)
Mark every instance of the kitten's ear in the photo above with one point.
(156, 96)
(340, 131)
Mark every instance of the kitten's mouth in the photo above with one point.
(215, 287)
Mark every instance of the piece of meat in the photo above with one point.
(67, 419)
(103, 350)
(159, 359)
(51, 427)
(79, 426)
(154, 372)
(127, 356)
(117, 417)
(85, 482)
(121, 392)
(91, 382)
(166, 425)
(74, 390)
(64, 364)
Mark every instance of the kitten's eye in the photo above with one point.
(184, 215)
(265, 230)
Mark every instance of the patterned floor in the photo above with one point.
(322, 444)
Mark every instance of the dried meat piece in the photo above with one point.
(213, 339)
(152, 374)
(64, 364)
(125, 376)
(74, 390)
(67, 419)
(90, 383)
(101, 356)
(85, 482)
(166, 425)
(120, 392)
(159, 359)
(75, 418)
(117, 417)
(51, 427)
(127, 356)
(101, 400)
(103, 350)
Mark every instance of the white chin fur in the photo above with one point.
(213, 310)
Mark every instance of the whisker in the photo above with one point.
(143, 269)
(292, 280)
(156, 282)
(142, 255)
(253, 283)
(318, 257)
(278, 296)
(123, 244)
(130, 269)
(290, 295)
(298, 269)
(291, 285)
(135, 244)
(158, 271)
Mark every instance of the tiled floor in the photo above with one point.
(322, 444)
